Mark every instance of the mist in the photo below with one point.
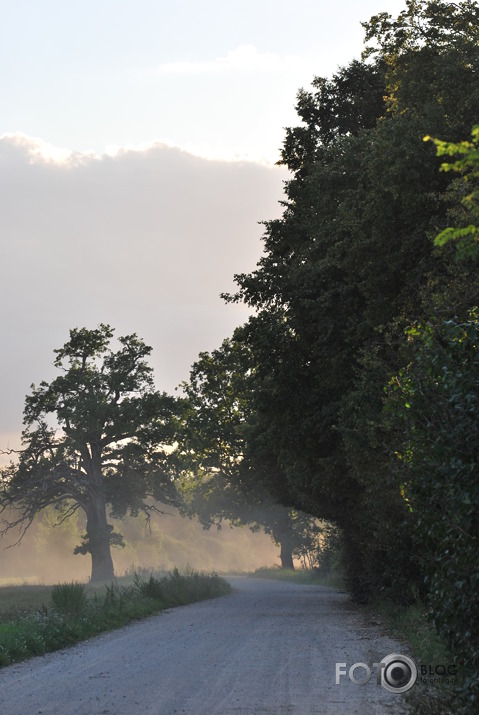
(45, 554)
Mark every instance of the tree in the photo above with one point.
(432, 407)
(431, 54)
(352, 100)
(464, 194)
(214, 500)
(349, 265)
(106, 448)
(223, 470)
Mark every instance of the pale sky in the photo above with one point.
(216, 76)
(137, 149)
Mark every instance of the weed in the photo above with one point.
(69, 598)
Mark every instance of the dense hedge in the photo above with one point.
(437, 400)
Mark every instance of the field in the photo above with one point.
(17, 600)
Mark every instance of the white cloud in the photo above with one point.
(245, 58)
(201, 150)
(145, 239)
(39, 150)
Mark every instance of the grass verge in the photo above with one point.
(306, 576)
(431, 695)
(73, 614)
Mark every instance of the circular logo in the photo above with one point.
(398, 674)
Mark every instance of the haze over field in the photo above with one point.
(46, 554)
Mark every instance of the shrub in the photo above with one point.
(437, 401)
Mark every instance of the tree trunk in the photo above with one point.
(286, 553)
(283, 535)
(98, 538)
(286, 541)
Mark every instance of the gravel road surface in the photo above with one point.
(267, 648)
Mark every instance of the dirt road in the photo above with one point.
(267, 648)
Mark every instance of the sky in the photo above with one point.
(138, 142)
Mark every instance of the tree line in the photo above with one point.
(352, 392)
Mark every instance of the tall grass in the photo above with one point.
(69, 598)
(411, 624)
(73, 615)
(179, 589)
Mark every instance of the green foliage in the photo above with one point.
(431, 54)
(353, 99)
(69, 598)
(465, 236)
(346, 268)
(430, 23)
(350, 264)
(179, 589)
(436, 399)
(223, 471)
(345, 260)
(413, 624)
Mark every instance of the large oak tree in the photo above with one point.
(104, 453)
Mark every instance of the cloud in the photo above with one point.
(144, 239)
(38, 149)
(245, 58)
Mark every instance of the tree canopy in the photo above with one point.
(222, 469)
(105, 447)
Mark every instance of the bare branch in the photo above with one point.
(70, 512)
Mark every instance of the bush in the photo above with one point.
(437, 400)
